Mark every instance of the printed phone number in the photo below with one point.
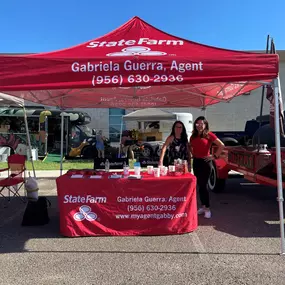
(141, 208)
(118, 79)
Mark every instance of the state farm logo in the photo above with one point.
(137, 42)
(138, 50)
(84, 214)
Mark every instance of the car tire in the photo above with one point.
(147, 151)
(89, 152)
(230, 142)
(158, 151)
(215, 184)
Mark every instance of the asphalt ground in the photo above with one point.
(239, 245)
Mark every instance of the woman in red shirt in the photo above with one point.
(200, 144)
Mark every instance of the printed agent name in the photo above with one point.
(172, 199)
(129, 65)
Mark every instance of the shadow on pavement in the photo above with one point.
(13, 236)
(244, 211)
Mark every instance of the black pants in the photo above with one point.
(202, 171)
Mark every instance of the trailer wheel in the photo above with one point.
(230, 141)
(158, 151)
(215, 184)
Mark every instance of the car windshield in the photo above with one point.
(86, 130)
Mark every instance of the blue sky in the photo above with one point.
(40, 26)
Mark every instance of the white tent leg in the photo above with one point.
(46, 135)
(66, 136)
(29, 140)
(120, 137)
(61, 142)
(277, 91)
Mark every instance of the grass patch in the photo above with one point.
(39, 165)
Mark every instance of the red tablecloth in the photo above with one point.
(150, 206)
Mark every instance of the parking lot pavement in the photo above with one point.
(239, 245)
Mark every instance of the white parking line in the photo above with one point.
(199, 247)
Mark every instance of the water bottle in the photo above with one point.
(137, 168)
(126, 169)
(185, 166)
(107, 165)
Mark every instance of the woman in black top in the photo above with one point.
(177, 143)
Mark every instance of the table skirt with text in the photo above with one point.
(149, 206)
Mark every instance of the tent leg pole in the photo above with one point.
(61, 142)
(66, 136)
(263, 87)
(46, 134)
(262, 97)
(277, 93)
(29, 141)
(120, 138)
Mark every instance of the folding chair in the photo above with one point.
(16, 177)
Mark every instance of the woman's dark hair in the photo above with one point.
(184, 137)
(205, 132)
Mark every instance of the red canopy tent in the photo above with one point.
(138, 66)
(135, 66)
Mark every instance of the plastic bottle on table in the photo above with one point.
(176, 165)
(185, 166)
(137, 168)
(126, 169)
(107, 165)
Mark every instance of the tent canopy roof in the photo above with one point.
(149, 114)
(135, 66)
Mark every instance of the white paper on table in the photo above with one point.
(115, 176)
(76, 176)
(96, 176)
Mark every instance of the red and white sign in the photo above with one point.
(150, 206)
(136, 54)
